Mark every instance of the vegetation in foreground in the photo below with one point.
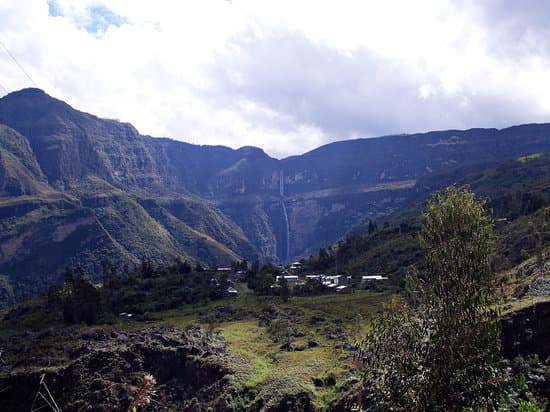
(438, 348)
(299, 352)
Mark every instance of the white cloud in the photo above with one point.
(286, 76)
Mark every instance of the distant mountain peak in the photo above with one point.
(28, 93)
(32, 102)
(252, 151)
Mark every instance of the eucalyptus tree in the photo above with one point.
(437, 347)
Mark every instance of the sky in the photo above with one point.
(286, 76)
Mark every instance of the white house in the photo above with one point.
(288, 278)
(372, 278)
(332, 280)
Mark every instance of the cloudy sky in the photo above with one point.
(286, 76)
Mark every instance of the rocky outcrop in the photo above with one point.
(527, 332)
(526, 348)
(103, 368)
(536, 287)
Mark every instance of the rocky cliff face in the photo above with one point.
(102, 369)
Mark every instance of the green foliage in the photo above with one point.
(147, 289)
(261, 279)
(388, 252)
(439, 349)
(285, 291)
(525, 406)
(82, 303)
(521, 383)
(151, 289)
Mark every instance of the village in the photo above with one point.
(294, 276)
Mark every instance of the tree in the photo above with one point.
(284, 291)
(69, 280)
(84, 304)
(372, 227)
(438, 348)
(147, 269)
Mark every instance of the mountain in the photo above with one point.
(518, 196)
(78, 189)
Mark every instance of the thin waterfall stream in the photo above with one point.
(287, 227)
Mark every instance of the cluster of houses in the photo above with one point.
(293, 275)
(339, 283)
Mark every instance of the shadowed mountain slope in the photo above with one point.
(125, 197)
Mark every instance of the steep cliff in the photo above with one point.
(135, 197)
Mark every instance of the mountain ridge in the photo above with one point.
(139, 197)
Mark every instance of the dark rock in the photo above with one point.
(527, 331)
(229, 309)
(288, 346)
(316, 320)
(318, 382)
(349, 347)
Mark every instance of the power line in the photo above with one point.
(16, 62)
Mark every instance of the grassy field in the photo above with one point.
(322, 330)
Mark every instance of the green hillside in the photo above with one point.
(518, 193)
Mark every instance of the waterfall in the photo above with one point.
(285, 214)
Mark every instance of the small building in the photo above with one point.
(332, 280)
(240, 276)
(372, 278)
(288, 278)
(296, 267)
(231, 291)
(314, 278)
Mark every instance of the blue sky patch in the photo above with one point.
(96, 19)
(54, 9)
(100, 18)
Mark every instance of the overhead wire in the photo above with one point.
(18, 65)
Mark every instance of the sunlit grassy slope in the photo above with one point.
(266, 371)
